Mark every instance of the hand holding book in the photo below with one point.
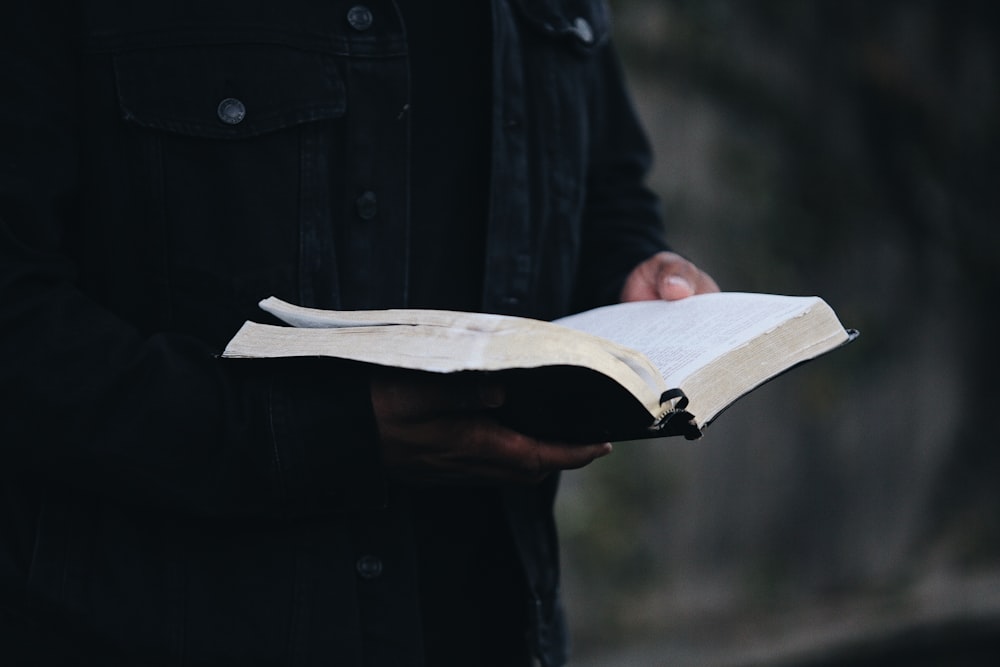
(621, 372)
(440, 429)
(666, 276)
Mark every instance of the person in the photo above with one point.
(165, 166)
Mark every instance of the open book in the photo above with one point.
(620, 372)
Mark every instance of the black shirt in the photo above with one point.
(449, 46)
(472, 592)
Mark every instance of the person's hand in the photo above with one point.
(667, 276)
(439, 430)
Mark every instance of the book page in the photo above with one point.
(715, 347)
(679, 337)
(504, 343)
(302, 316)
(441, 349)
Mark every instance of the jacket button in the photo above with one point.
(231, 111)
(369, 567)
(367, 205)
(583, 30)
(360, 17)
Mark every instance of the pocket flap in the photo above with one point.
(227, 91)
(584, 23)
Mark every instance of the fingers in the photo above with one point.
(679, 281)
(518, 452)
(672, 286)
(477, 450)
(678, 278)
(666, 275)
(436, 429)
(641, 284)
(560, 456)
(519, 459)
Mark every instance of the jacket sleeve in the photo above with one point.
(92, 403)
(622, 220)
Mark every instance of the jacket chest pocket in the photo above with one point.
(227, 92)
(225, 143)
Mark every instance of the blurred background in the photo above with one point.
(847, 513)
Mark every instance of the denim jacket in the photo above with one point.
(163, 166)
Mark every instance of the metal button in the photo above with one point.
(369, 567)
(360, 17)
(583, 30)
(231, 111)
(367, 205)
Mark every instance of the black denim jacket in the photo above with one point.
(163, 166)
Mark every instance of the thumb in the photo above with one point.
(673, 287)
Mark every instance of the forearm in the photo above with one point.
(160, 418)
